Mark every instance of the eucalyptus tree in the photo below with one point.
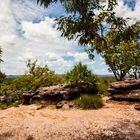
(120, 51)
(95, 25)
(86, 18)
(135, 60)
(0, 55)
(2, 75)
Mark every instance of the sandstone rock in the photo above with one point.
(37, 97)
(59, 105)
(128, 90)
(27, 97)
(71, 104)
(2, 98)
(127, 84)
(59, 93)
(137, 107)
(65, 106)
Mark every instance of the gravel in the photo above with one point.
(114, 121)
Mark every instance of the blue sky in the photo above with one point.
(27, 31)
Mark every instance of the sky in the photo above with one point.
(27, 31)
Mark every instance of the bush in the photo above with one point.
(83, 78)
(89, 101)
(11, 98)
(79, 74)
(44, 75)
(103, 86)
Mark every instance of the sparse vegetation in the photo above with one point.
(87, 101)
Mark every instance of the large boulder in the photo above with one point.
(128, 90)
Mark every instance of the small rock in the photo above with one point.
(59, 105)
(65, 106)
(137, 107)
(2, 98)
(71, 104)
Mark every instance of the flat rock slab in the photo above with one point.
(128, 90)
(127, 84)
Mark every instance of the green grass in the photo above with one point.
(3, 105)
(104, 84)
(89, 101)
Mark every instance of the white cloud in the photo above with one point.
(7, 22)
(126, 12)
(83, 56)
(21, 38)
(42, 31)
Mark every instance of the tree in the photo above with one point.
(86, 19)
(0, 55)
(117, 48)
(45, 76)
(119, 60)
(95, 24)
(2, 75)
(135, 60)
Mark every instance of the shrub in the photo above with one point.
(83, 78)
(89, 101)
(11, 98)
(44, 75)
(103, 86)
(3, 105)
(80, 73)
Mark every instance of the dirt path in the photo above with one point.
(113, 121)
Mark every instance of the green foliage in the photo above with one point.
(79, 74)
(43, 75)
(23, 83)
(3, 105)
(2, 77)
(37, 77)
(0, 55)
(89, 101)
(103, 85)
(95, 24)
(84, 22)
(118, 50)
(11, 98)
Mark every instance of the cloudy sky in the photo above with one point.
(27, 31)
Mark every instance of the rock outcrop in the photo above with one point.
(59, 92)
(128, 90)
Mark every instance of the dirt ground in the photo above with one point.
(115, 121)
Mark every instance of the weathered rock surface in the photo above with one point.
(137, 107)
(128, 90)
(59, 92)
(65, 104)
